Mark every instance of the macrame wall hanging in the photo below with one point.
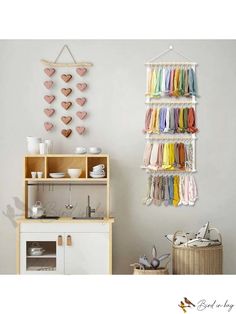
(170, 128)
(65, 97)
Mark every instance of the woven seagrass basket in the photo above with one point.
(138, 270)
(197, 260)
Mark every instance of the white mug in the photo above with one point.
(40, 174)
(33, 174)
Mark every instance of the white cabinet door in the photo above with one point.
(52, 259)
(86, 253)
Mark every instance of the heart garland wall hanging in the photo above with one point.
(65, 86)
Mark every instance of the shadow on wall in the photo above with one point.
(14, 212)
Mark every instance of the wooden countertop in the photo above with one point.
(65, 220)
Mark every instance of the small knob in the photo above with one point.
(59, 240)
(69, 240)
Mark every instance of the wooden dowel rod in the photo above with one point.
(78, 64)
(170, 102)
(171, 138)
(170, 63)
(168, 172)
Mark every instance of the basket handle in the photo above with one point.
(210, 229)
(175, 234)
(218, 233)
(135, 265)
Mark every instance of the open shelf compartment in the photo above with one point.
(44, 262)
(35, 164)
(62, 164)
(97, 160)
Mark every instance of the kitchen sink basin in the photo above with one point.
(44, 217)
(88, 218)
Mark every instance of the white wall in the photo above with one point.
(116, 107)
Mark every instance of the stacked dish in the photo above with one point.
(94, 150)
(57, 175)
(90, 150)
(80, 150)
(98, 171)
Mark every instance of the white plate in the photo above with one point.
(97, 175)
(57, 175)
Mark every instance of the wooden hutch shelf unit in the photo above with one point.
(61, 163)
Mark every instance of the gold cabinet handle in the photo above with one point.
(69, 240)
(59, 240)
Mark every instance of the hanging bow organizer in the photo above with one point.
(66, 90)
(170, 127)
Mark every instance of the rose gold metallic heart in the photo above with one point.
(65, 119)
(48, 84)
(81, 101)
(66, 91)
(49, 112)
(49, 98)
(49, 71)
(82, 86)
(81, 71)
(66, 133)
(80, 129)
(66, 77)
(48, 126)
(81, 114)
(66, 104)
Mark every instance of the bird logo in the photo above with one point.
(186, 304)
(187, 301)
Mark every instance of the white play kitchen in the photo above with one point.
(61, 239)
(66, 227)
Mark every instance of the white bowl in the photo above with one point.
(80, 150)
(94, 150)
(74, 173)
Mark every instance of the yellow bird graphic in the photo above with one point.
(183, 306)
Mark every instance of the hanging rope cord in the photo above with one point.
(168, 50)
(60, 53)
